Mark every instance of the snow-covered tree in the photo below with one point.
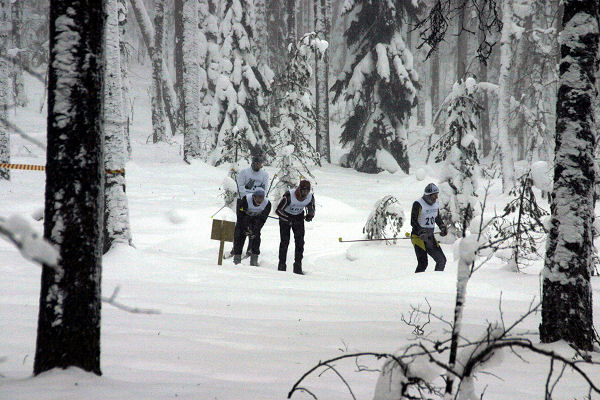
(520, 228)
(294, 153)
(322, 28)
(4, 90)
(191, 80)
(379, 85)
(386, 219)
(116, 211)
(159, 128)
(126, 102)
(70, 297)
(566, 289)
(457, 148)
(239, 107)
(20, 97)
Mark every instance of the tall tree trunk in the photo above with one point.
(122, 15)
(70, 301)
(504, 95)
(169, 97)
(462, 45)
(17, 68)
(260, 29)
(116, 211)
(524, 58)
(178, 19)
(322, 27)
(159, 129)
(484, 119)
(4, 91)
(191, 80)
(566, 290)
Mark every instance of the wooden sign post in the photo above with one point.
(223, 232)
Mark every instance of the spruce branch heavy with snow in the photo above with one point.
(379, 86)
(386, 219)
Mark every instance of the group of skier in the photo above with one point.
(297, 205)
(253, 208)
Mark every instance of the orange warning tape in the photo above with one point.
(28, 167)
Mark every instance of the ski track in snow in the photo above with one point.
(244, 332)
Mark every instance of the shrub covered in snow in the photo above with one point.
(386, 219)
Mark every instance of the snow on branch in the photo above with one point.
(32, 246)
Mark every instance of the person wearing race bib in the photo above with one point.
(253, 177)
(423, 218)
(291, 217)
(252, 212)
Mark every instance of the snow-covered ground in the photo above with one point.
(229, 332)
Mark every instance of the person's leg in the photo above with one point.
(438, 255)
(420, 252)
(284, 235)
(238, 237)
(254, 245)
(298, 228)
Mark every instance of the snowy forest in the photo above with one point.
(143, 142)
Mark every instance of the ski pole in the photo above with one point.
(271, 185)
(372, 240)
(218, 211)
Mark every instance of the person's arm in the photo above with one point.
(242, 207)
(241, 183)
(262, 217)
(285, 200)
(310, 210)
(414, 216)
(440, 223)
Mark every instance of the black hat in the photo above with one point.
(257, 158)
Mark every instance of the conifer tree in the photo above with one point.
(379, 85)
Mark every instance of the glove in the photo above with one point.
(443, 230)
(309, 217)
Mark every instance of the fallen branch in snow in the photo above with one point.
(9, 125)
(112, 300)
(32, 246)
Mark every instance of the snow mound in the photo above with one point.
(420, 174)
(541, 176)
(176, 217)
(386, 161)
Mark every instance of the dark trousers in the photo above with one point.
(422, 249)
(297, 226)
(239, 236)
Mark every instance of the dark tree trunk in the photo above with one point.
(462, 46)
(322, 27)
(69, 315)
(178, 17)
(158, 114)
(484, 119)
(567, 293)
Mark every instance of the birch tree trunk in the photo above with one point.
(484, 119)
(322, 28)
(116, 211)
(159, 129)
(4, 90)
(191, 80)
(504, 81)
(70, 301)
(566, 290)
(122, 18)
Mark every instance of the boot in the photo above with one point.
(237, 258)
(298, 269)
(281, 267)
(254, 260)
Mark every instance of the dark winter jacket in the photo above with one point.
(285, 200)
(414, 219)
(255, 221)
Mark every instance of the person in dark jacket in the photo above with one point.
(423, 218)
(291, 217)
(252, 212)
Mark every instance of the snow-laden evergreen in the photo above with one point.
(457, 149)
(378, 85)
(239, 107)
(294, 152)
(386, 219)
(116, 210)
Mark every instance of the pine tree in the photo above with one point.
(238, 112)
(191, 80)
(116, 211)
(294, 151)
(566, 289)
(386, 219)
(379, 84)
(70, 298)
(4, 90)
(458, 149)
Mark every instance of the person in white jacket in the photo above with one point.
(253, 177)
